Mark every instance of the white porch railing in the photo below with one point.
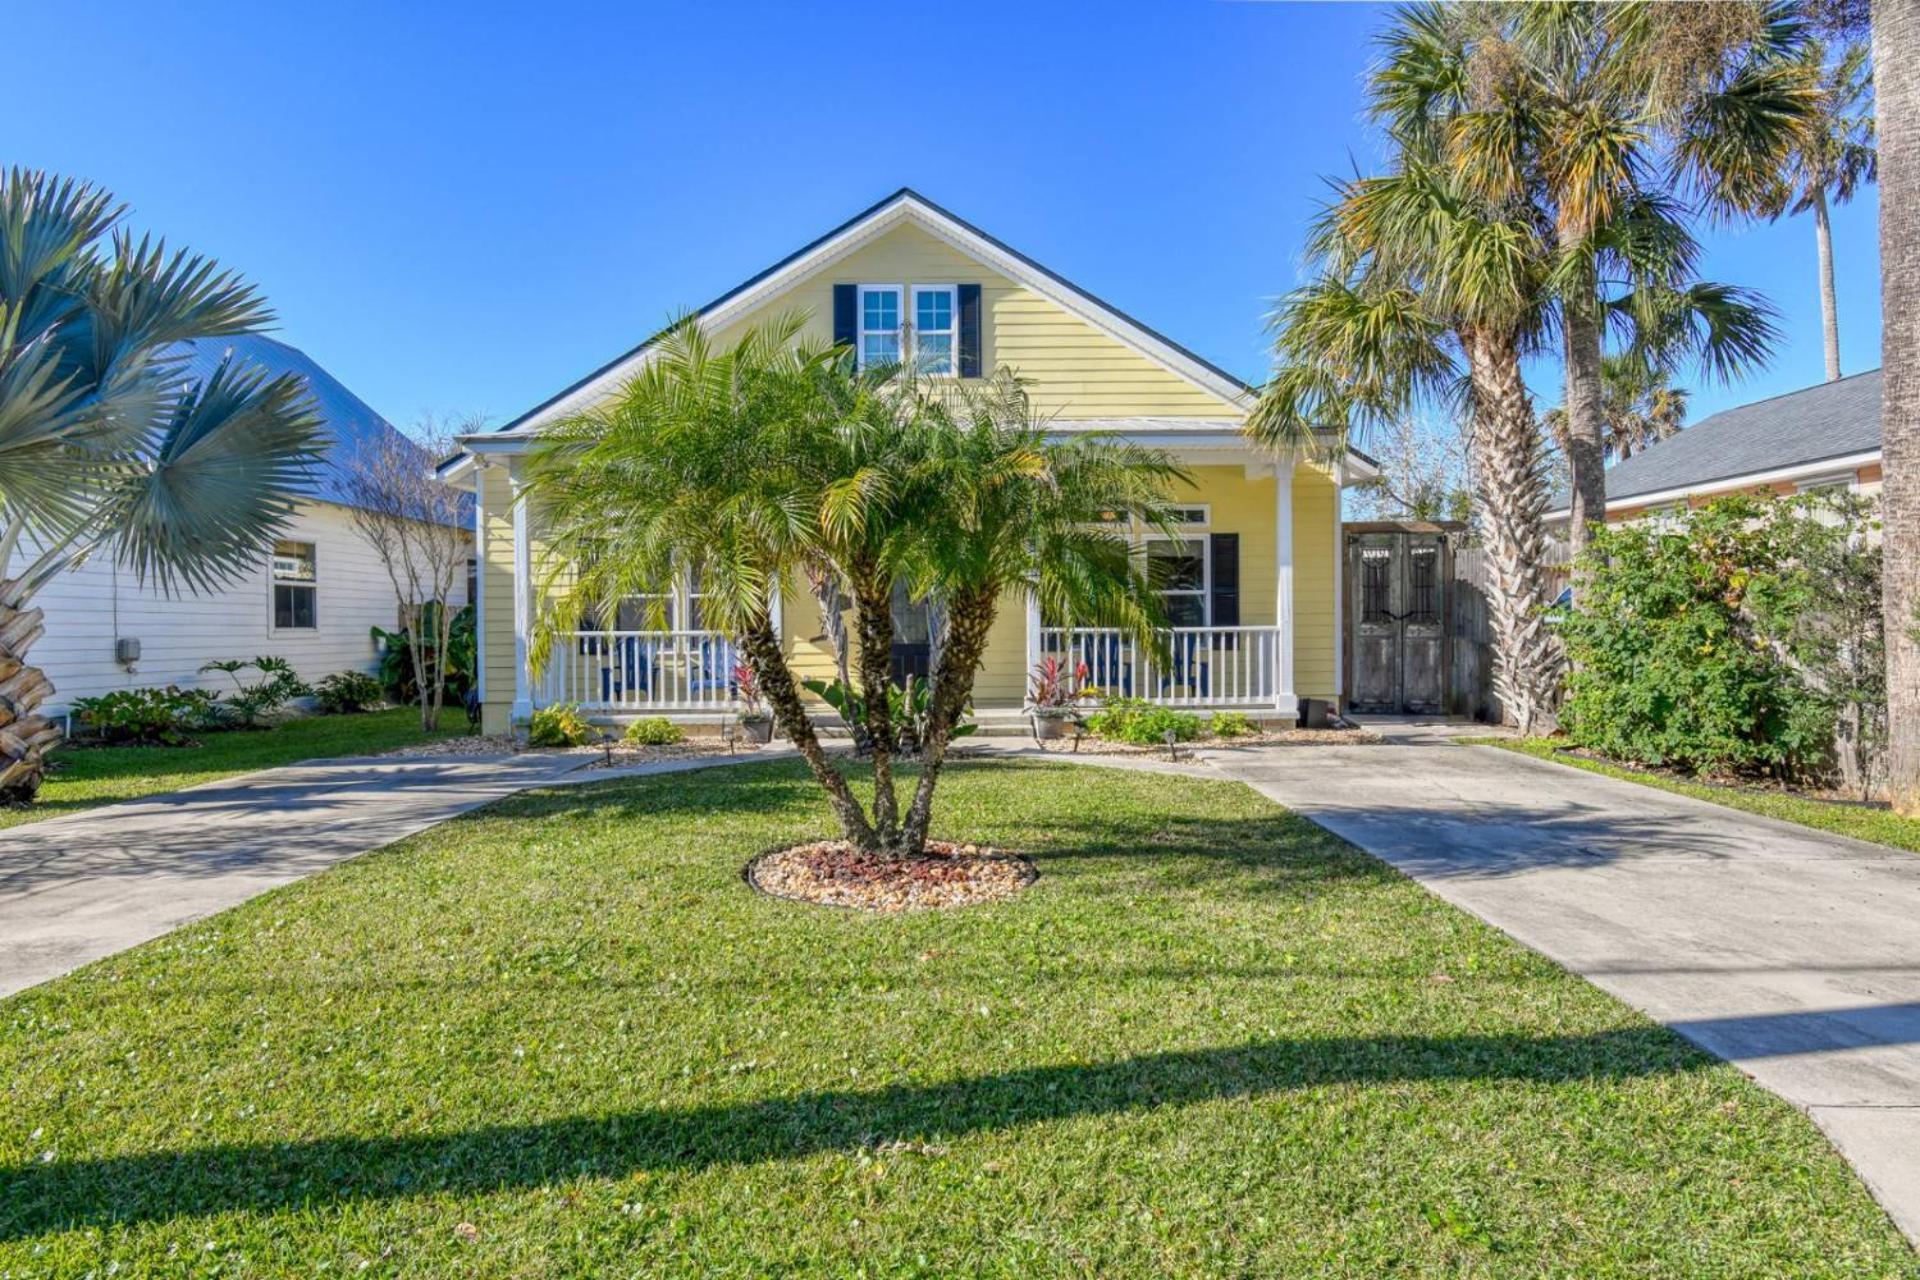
(641, 671)
(1192, 667)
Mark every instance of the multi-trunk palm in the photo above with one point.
(774, 461)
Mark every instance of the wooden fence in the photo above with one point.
(1470, 627)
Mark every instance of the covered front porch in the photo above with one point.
(1249, 582)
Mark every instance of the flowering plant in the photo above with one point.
(1055, 689)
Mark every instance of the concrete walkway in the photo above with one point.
(1792, 953)
(77, 888)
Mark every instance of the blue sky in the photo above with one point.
(462, 208)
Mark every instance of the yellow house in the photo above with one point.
(1253, 589)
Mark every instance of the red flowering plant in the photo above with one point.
(1055, 690)
(746, 687)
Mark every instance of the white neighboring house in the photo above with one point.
(314, 600)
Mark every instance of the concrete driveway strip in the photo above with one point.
(1792, 953)
(77, 888)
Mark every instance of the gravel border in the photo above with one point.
(1027, 874)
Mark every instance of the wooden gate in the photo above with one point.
(1397, 582)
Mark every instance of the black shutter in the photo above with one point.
(846, 315)
(1226, 579)
(969, 330)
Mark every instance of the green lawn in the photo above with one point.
(83, 777)
(561, 1037)
(1861, 821)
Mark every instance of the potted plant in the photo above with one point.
(756, 722)
(1054, 692)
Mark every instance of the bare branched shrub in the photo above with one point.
(422, 530)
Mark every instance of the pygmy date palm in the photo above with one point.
(103, 449)
(774, 462)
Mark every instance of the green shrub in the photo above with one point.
(560, 725)
(653, 731)
(1706, 641)
(148, 717)
(278, 685)
(345, 692)
(396, 656)
(1232, 724)
(1139, 722)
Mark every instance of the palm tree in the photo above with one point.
(103, 449)
(1428, 293)
(1598, 115)
(1833, 155)
(1638, 402)
(774, 461)
(1896, 76)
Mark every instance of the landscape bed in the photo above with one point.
(563, 1036)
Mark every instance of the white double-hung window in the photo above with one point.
(879, 324)
(920, 326)
(933, 328)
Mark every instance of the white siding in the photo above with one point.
(87, 608)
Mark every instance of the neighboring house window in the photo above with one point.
(879, 324)
(296, 587)
(934, 309)
(473, 581)
(1826, 484)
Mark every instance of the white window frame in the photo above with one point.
(861, 331)
(275, 582)
(1205, 590)
(1848, 480)
(952, 331)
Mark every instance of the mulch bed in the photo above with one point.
(836, 874)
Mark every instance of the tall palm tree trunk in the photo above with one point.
(1896, 73)
(1513, 493)
(1829, 305)
(25, 734)
(1586, 421)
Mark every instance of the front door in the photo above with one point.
(1397, 616)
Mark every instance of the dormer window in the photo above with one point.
(933, 327)
(879, 324)
(933, 321)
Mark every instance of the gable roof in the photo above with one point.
(904, 205)
(1828, 421)
(355, 430)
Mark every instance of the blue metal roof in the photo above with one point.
(355, 428)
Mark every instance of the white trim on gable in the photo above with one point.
(906, 207)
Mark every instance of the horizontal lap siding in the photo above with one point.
(496, 590)
(1315, 562)
(1074, 369)
(86, 610)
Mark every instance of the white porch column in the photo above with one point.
(1284, 701)
(1339, 593)
(1034, 641)
(522, 609)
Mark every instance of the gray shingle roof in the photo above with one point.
(1830, 420)
(356, 429)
